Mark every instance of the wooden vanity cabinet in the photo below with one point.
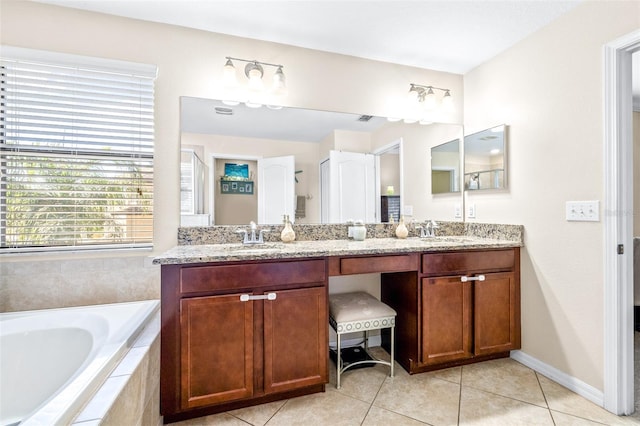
(235, 335)
(466, 304)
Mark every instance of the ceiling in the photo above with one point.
(445, 35)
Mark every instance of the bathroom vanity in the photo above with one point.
(243, 325)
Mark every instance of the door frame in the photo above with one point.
(618, 225)
(396, 144)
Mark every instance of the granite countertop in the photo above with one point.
(203, 253)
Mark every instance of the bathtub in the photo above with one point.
(52, 361)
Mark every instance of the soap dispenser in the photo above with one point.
(288, 234)
(401, 230)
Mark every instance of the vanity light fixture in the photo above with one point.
(426, 95)
(425, 106)
(254, 71)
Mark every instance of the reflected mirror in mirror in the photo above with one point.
(445, 167)
(485, 159)
(234, 134)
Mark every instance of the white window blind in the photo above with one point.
(76, 154)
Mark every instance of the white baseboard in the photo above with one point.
(575, 385)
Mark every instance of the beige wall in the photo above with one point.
(233, 209)
(389, 173)
(548, 89)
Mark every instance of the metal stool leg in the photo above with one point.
(366, 340)
(338, 363)
(392, 349)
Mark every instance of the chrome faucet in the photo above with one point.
(252, 239)
(428, 230)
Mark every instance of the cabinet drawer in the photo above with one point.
(197, 279)
(468, 262)
(372, 264)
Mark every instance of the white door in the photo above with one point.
(276, 189)
(351, 187)
(324, 191)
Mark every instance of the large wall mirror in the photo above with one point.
(485, 165)
(243, 157)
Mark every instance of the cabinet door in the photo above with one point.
(295, 339)
(216, 350)
(446, 320)
(496, 308)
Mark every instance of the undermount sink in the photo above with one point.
(253, 248)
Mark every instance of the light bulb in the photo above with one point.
(430, 99)
(253, 104)
(279, 83)
(229, 77)
(254, 73)
(255, 80)
(414, 94)
(447, 100)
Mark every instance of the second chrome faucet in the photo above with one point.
(428, 230)
(251, 238)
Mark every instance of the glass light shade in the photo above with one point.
(413, 95)
(447, 100)
(255, 79)
(279, 83)
(229, 76)
(430, 99)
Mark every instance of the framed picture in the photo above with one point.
(236, 187)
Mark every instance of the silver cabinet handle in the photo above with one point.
(247, 297)
(465, 278)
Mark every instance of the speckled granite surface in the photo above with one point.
(199, 245)
(306, 232)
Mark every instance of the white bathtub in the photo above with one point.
(51, 361)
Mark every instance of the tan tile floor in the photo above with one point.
(500, 392)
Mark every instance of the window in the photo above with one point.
(76, 152)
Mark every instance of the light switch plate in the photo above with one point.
(457, 211)
(471, 211)
(408, 210)
(583, 211)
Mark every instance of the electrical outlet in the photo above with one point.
(457, 211)
(583, 211)
(471, 211)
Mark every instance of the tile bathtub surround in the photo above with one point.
(499, 392)
(225, 234)
(42, 283)
(131, 394)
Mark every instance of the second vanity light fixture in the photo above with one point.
(423, 103)
(426, 94)
(257, 92)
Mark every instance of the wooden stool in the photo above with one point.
(359, 311)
